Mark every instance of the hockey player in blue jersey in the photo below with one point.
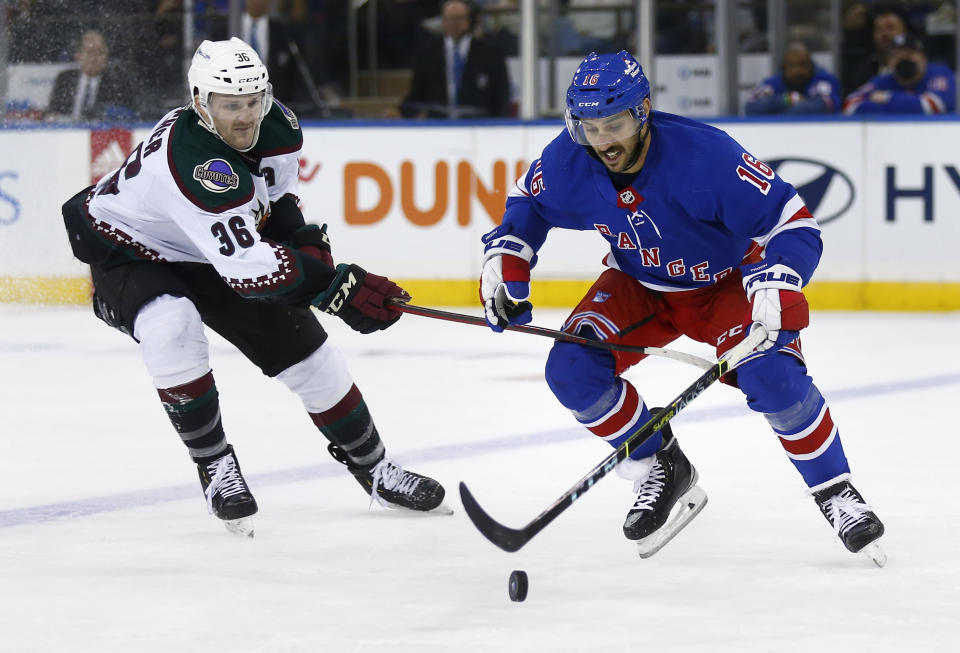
(705, 241)
(801, 87)
(915, 85)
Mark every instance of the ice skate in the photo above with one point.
(228, 496)
(396, 487)
(668, 498)
(852, 519)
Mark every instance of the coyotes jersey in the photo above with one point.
(184, 195)
(700, 207)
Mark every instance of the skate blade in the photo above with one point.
(874, 553)
(688, 506)
(442, 509)
(242, 527)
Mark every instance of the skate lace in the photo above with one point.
(225, 480)
(845, 511)
(649, 488)
(392, 478)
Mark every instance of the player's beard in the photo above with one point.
(630, 158)
(637, 151)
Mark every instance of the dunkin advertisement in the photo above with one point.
(413, 201)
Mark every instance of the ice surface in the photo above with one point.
(105, 544)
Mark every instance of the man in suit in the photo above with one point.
(93, 90)
(473, 83)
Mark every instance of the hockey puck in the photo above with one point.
(518, 585)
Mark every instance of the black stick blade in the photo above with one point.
(508, 539)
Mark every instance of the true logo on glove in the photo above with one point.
(506, 244)
(770, 277)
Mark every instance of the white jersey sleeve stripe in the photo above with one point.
(520, 189)
(788, 221)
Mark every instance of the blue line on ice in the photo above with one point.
(143, 498)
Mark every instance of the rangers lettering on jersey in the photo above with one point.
(700, 217)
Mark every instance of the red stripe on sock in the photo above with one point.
(621, 417)
(180, 394)
(342, 408)
(813, 441)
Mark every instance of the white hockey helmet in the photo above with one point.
(229, 68)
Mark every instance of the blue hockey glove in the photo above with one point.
(505, 281)
(775, 293)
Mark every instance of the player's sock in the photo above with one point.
(194, 411)
(350, 427)
(810, 438)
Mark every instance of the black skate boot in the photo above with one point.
(851, 518)
(395, 485)
(228, 496)
(668, 498)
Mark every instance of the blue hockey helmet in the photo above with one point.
(605, 85)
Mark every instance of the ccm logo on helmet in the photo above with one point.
(249, 79)
(588, 104)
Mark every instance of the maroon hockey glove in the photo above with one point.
(313, 240)
(360, 299)
(776, 301)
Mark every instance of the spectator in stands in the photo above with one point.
(273, 40)
(914, 85)
(458, 75)
(163, 29)
(888, 20)
(93, 90)
(800, 87)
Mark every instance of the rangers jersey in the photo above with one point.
(700, 207)
(820, 95)
(184, 195)
(935, 93)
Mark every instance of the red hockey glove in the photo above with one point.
(776, 302)
(505, 281)
(360, 299)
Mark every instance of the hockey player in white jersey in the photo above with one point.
(201, 226)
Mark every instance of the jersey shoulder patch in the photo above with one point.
(207, 171)
(280, 133)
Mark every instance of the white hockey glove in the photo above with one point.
(505, 281)
(775, 293)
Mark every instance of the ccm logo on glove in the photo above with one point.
(342, 293)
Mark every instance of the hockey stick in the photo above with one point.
(691, 359)
(512, 539)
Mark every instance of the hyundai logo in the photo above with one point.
(826, 191)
